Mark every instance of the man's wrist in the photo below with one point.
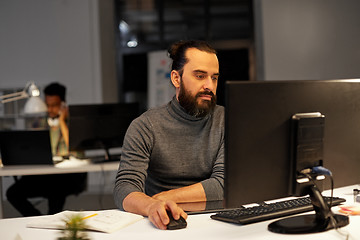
(138, 202)
(166, 195)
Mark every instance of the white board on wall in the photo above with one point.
(160, 89)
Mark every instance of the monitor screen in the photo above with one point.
(99, 126)
(25, 147)
(257, 140)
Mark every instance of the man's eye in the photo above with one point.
(200, 76)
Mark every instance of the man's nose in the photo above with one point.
(209, 84)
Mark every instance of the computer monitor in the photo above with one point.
(258, 135)
(99, 126)
(25, 147)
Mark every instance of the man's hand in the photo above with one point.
(157, 213)
(154, 209)
(64, 112)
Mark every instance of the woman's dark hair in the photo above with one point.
(55, 89)
(177, 52)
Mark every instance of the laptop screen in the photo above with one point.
(25, 147)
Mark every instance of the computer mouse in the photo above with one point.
(175, 224)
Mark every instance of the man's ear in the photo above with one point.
(175, 78)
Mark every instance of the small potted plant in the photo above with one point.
(74, 229)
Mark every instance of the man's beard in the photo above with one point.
(191, 105)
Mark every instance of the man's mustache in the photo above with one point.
(205, 93)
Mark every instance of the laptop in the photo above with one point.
(25, 147)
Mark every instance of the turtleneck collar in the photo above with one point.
(176, 108)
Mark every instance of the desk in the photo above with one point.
(199, 227)
(51, 169)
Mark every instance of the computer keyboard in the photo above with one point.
(270, 211)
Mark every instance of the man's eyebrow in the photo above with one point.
(204, 72)
(199, 71)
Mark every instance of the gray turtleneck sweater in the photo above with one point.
(165, 148)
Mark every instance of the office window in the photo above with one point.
(146, 23)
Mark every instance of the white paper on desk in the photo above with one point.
(107, 221)
(72, 162)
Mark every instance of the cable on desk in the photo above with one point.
(324, 171)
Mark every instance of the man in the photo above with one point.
(175, 153)
(57, 116)
(53, 187)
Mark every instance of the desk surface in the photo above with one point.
(199, 227)
(57, 169)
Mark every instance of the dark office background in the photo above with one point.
(154, 25)
(73, 43)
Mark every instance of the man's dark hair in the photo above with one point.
(55, 89)
(177, 52)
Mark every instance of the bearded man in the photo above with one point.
(175, 153)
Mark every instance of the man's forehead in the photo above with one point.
(52, 98)
(201, 60)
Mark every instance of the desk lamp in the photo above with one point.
(34, 104)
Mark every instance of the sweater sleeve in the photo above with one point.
(134, 161)
(214, 186)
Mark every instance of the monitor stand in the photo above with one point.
(322, 220)
(107, 156)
